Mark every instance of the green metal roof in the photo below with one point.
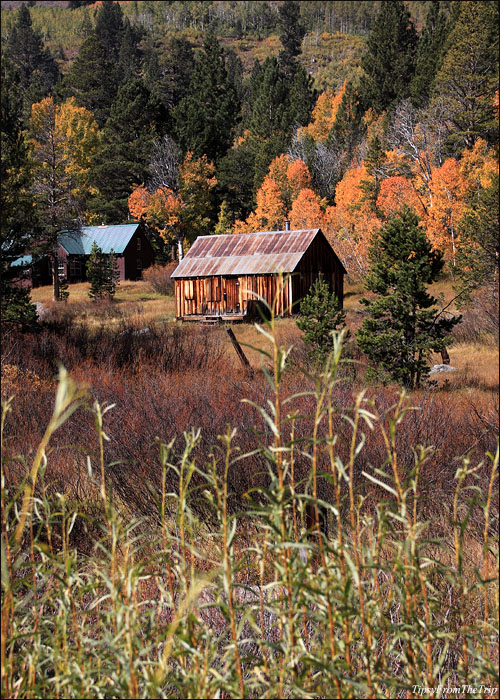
(22, 261)
(107, 238)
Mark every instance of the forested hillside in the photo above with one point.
(234, 116)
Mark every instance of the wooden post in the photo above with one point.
(243, 359)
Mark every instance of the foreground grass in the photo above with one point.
(201, 600)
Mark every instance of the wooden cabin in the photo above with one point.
(132, 249)
(221, 277)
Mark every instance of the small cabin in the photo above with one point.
(221, 277)
(132, 249)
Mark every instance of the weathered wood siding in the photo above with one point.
(229, 295)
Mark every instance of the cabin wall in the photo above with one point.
(138, 255)
(318, 258)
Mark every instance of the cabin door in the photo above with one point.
(231, 295)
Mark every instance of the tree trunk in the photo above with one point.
(55, 278)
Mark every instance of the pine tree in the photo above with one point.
(468, 78)
(278, 102)
(129, 56)
(269, 104)
(347, 131)
(92, 79)
(17, 223)
(402, 328)
(291, 33)
(429, 54)
(389, 62)
(35, 68)
(479, 253)
(109, 28)
(102, 273)
(206, 117)
(128, 138)
(168, 74)
(320, 316)
(374, 161)
(112, 276)
(302, 98)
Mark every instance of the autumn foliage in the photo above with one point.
(185, 212)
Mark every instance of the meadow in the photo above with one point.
(178, 526)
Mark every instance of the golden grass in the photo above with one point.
(134, 301)
(477, 367)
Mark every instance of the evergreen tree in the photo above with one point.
(320, 316)
(235, 174)
(123, 160)
(402, 329)
(291, 33)
(109, 29)
(374, 161)
(113, 275)
(389, 61)
(269, 115)
(429, 54)
(102, 273)
(35, 68)
(17, 223)
(479, 253)
(206, 117)
(346, 133)
(129, 56)
(279, 103)
(86, 28)
(92, 79)
(168, 74)
(302, 98)
(468, 78)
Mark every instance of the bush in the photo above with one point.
(158, 277)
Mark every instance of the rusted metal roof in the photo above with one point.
(266, 252)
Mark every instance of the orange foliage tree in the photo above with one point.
(323, 115)
(351, 223)
(478, 165)
(280, 188)
(395, 193)
(306, 211)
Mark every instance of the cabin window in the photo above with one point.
(139, 264)
(61, 271)
(75, 268)
(188, 290)
(139, 242)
